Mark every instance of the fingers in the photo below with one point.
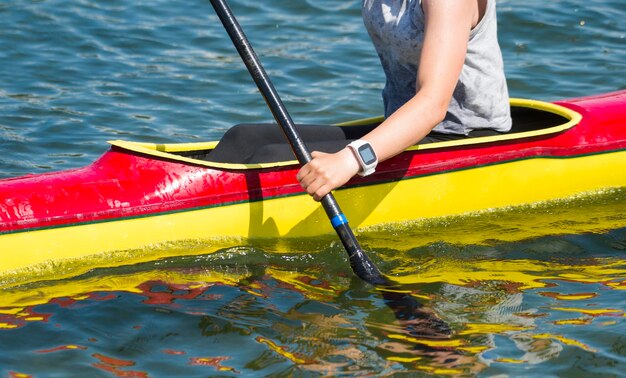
(325, 172)
(318, 190)
(314, 177)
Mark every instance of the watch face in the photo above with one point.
(367, 154)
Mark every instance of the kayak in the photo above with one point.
(140, 196)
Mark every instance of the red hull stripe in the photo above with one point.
(72, 222)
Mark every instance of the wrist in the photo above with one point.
(352, 163)
(365, 156)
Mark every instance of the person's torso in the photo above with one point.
(480, 99)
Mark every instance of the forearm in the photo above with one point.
(407, 126)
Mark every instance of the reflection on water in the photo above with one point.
(547, 305)
(273, 321)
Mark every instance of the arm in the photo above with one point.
(448, 25)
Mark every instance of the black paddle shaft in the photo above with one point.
(359, 261)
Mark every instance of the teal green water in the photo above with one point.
(541, 296)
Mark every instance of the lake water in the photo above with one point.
(544, 297)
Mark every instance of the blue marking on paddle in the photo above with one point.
(338, 220)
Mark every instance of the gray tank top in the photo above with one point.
(480, 99)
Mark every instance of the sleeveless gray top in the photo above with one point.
(480, 99)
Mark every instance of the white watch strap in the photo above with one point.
(365, 155)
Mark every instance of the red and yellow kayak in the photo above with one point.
(138, 196)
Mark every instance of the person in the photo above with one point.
(444, 79)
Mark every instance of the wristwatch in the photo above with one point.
(365, 155)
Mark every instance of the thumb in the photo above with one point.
(317, 154)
